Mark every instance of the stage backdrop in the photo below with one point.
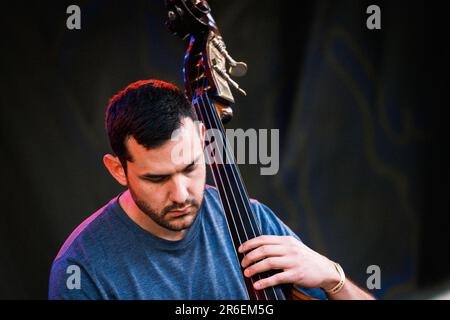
(363, 175)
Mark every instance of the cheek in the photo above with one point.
(146, 191)
(198, 181)
(152, 195)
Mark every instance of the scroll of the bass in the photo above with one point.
(208, 70)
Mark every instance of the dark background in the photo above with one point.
(364, 165)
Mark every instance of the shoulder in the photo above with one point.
(211, 194)
(269, 221)
(86, 240)
(82, 253)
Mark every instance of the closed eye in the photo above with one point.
(157, 179)
(154, 178)
(189, 168)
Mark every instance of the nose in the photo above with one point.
(178, 192)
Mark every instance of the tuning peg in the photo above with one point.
(226, 76)
(237, 69)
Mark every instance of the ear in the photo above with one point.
(115, 168)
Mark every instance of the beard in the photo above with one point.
(161, 218)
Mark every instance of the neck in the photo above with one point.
(145, 222)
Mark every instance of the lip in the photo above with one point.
(178, 213)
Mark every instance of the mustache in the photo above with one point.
(176, 206)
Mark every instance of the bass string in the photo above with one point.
(206, 118)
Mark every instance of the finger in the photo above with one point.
(276, 279)
(263, 252)
(267, 264)
(259, 241)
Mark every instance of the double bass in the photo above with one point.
(207, 72)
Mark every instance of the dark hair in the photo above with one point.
(147, 110)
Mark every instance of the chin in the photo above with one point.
(185, 223)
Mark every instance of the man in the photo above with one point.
(166, 236)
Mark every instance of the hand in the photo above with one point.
(299, 264)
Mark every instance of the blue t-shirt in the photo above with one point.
(109, 256)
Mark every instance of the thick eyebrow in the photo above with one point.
(160, 176)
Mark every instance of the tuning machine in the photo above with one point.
(236, 69)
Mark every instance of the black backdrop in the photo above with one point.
(363, 164)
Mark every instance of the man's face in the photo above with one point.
(170, 177)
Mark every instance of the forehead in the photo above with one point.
(184, 147)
